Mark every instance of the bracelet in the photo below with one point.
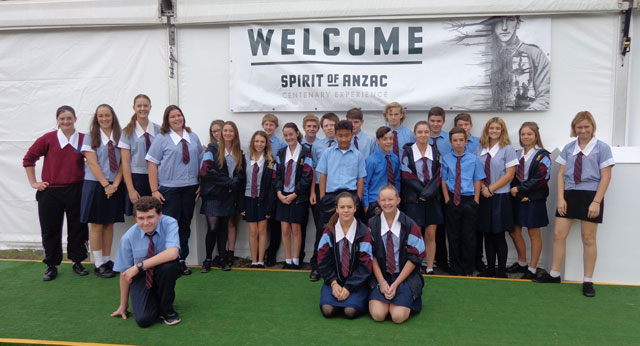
(105, 186)
(595, 202)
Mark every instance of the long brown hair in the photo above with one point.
(536, 130)
(236, 152)
(331, 225)
(166, 128)
(215, 122)
(504, 135)
(131, 126)
(268, 154)
(94, 129)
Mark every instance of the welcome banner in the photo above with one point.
(495, 63)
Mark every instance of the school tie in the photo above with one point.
(457, 191)
(425, 170)
(435, 145)
(330, 142)
(185, 151)
(151, 251)
(391, 258)
(487, 170)
(396, 146)
(521, 169)
(147, 140)
(287, 175)
(355, 142)
(113, 163)
(577, 169)
(346, 256)
(390, 176)
(254, 181)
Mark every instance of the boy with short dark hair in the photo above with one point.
(362, 141)
(439, 138)
(463, 120)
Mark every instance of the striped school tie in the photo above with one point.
(396, 145)
(391, 258)
(287, 175)
(425, 170)
(147, 140)
(254, 181)
(346, 256)
(487, 170)
(113, 163)
(355, 142)
(151, 251)
(457, 191)
(391, 179)
(521, 169)
(185, 151)
(577, 169)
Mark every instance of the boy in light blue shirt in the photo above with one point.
(363, 142)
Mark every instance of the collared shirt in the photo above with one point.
(349, 236)
(501, 159)
(528, 159)
(343, 169)
(376, 166)
(319, 147)
(404, 136)
(102, 154)
(137, 144)
(294, 167)
(395, 235)
(472, 144)
(471, 171)
(276, 143)
(249, 173)
(305, 141)
(597, 155)
(134, 244)
(166, 152)
(366, 143)
(231, 162)
(73, 140)
(417, 159)
(442, 141)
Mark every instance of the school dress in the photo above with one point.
(221, 187)
(297, 166)
(495, 214)
(258, 201)
(63, 169)
(138, 143)
(178, 160)
(354, 276)
(408, 245)
(95, 207)
(421, 190)
(531, 179)
(580, 185)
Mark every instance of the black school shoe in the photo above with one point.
(104, 271)
(547, 279)
(588, 290)
(517, 268)
(529, 275)
(487, 273)
(206, 266)
(314, 276)
(79, 269)
(170, 318)
(184, 270)
(50, 273)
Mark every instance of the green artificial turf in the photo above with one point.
(244, 307)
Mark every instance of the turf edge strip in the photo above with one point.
(51, 342)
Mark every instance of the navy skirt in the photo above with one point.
(532, 214)
(254, 211)
(578, 202)
(425, 213)
(141, 184)
(96, 208)
(495, 214)
(356, 300)
(403, 297)
(292, 213)
(212, 207)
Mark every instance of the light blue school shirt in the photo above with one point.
(471, 171)
(319, 147)
(417, 160)
(276, 144)
(102, 152)
(166, 152)
(404, 136)
(472, 144)
(138, 146)
(501, 159)
(366, 143)
(528, 159)
(134, 244)
(597, 155)
(376, 178)
(343, 169)
(442, 141)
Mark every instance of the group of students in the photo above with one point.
(455, 187)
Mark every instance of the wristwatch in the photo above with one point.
(139, 265)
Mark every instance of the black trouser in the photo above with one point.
(217, 231)
(179, 203)
(317, 216)
(148, 304)
(461, 232)
(496, 245)
(53, 203)
(442, 258)
(275, 238)
(479, 243)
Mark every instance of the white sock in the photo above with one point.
(554, 274)
(287, 260)
(254, 263)
(522, 264)
(97, 258)
(586, 279)
(533, 270)
(106, 259)
(429, 270)
(260, 263)
(296, 261)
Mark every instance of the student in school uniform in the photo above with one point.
(463, 120)
(363, 142)
(383, 168)
(310, 126)
(495, 215)
(136, 140)
(421, 188)
(258, 202)
(462, 175)
(341, 168)
(529, 190)
(215, 130)
(396, 283)
(394, 115)
(59, 192)
(174, 161)
(270, 126)
(583, 179)
(292, 189)
(328, 124)
(102, 194)
(222, 183)
(345, 261)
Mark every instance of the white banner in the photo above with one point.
(496, 63)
